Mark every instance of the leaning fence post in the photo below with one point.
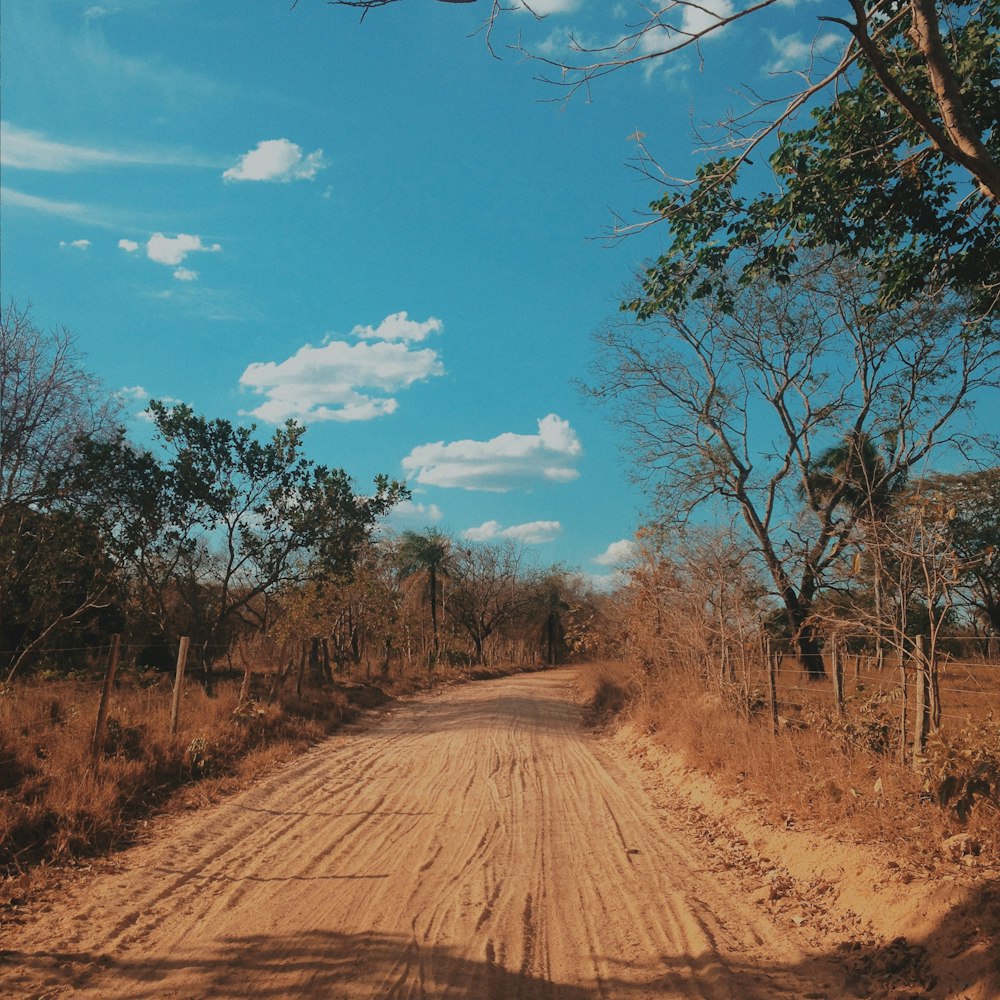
(904, 695)
(837, 669)
(772, 681)
(102, 711)
(175, 708)
(921, 714)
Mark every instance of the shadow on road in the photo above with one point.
(325, 964)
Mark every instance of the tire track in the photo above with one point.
(477, 843)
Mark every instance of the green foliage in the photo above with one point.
(863, 178)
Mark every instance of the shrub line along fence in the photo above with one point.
(767, 675)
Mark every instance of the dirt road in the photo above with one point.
(477, 843)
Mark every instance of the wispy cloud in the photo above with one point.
(24, 149)
(276, 160)
(92, 215)
(76, 244)
(411, 512)
(531, 533)
(793, 53)
(345, 381)
(500, 464)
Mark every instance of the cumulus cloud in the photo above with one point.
(129, 246)
(793, 53)
(501, 463)
(185, 274)
(531, 533)
(172, 250)
(341, 380)
(617, 553)
(398, 326)
(76, 244)
(276, 160)
(133, 392)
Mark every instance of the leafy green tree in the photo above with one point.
(901, 168)
(269, 514)
(901, 171)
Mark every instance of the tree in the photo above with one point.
(486, 591)
(901, 168)
(271, 515)
(971, 502)
(729, 403)
(53, 569)
(426, 556)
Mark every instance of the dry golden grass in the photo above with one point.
(54, 804)
(837, 776)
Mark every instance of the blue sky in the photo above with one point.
(377, 229)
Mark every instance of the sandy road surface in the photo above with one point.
(478, 843)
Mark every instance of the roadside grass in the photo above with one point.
(841, 777)
(55, 804)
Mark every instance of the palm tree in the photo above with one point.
(855, 474)
(428, 555)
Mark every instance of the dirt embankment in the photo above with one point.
(479, 843)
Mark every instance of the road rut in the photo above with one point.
(476, 843)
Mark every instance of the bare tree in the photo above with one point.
(730, 405)
(485, 591)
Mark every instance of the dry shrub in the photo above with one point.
(835, 775)
(53, 803)
(606, 688)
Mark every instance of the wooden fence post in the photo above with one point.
(175, 708)
(904, 695)
(837, 669)
(102, 712)
(921, 714)
(772, 681)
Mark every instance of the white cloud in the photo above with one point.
(129, 246)
(617, 553)
(185, 274)
(26, 149)
(705, 15)
(172, 250)
(133, 392)
(411, 513)
(795, 54)
(276, 160)
(341, 380)
(501, 463)
(532, 533)
(542, 8)
(74, 211)
(398, 326)
(76, 244)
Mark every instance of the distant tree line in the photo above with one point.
(218, 534)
